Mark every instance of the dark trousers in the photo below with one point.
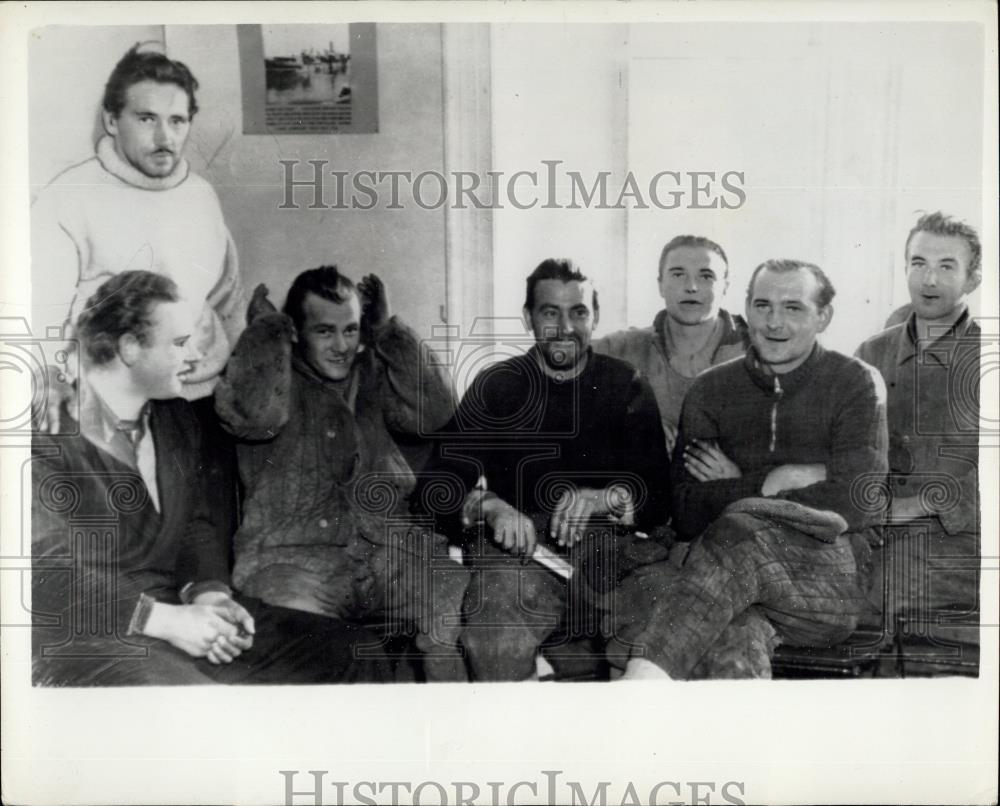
(289, 647)
(929, 579)
(405, 588)
(513, 608)
(221, 474)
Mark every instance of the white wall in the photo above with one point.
(405, 247)
(559, 93)
(843, 132)
(68, 66)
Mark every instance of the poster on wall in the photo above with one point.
(308, 79)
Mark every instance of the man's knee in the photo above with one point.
(743, 650)
(508, 612)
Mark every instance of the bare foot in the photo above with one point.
(642, 669)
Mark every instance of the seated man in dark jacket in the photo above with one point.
(130, 578)
(777, 462)
(327, 399)
(557, 451)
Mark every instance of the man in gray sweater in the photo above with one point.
(777, 456)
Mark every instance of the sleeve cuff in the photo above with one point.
(137, 624)
(192, 590)
(960, 519)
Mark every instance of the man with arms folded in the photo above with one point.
(930, 363)
(690, 334)
(558, 448)
(776, 458)
(130, 581)
(326, 399)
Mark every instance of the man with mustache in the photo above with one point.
(930, 362)
(777, 458)
(690, 334)
(136, 205)
(559, 450)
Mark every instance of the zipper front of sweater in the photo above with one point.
(778, 392)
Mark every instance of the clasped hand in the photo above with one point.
(214, 626)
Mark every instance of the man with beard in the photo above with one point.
(558, 450)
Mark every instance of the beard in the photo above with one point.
(562, 354)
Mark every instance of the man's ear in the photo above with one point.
(597, 316)
(526, 315)
(825, 315)
(128, 348)
(110, 122)
(972, 281)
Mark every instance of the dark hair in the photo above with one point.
(695, 241)
(136, 66)
(826, 290)
(326, 282)
(943, 224)
(121, 305)
(555, 269)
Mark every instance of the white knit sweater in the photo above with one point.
(103, 217)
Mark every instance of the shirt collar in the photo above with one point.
(908, 346)
(789, 381)
(99, 424)
(733, 331)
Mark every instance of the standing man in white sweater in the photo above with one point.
(136, 204)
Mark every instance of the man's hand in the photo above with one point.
(259, 304)
(197, 629)
(46, 418)
(235, 614)
(907, 508)
(513, 530)
(577, 506)
(374, 303)
(705, 461)
(792, 477)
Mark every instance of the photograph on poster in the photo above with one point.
(311, 76)
(597, 353)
